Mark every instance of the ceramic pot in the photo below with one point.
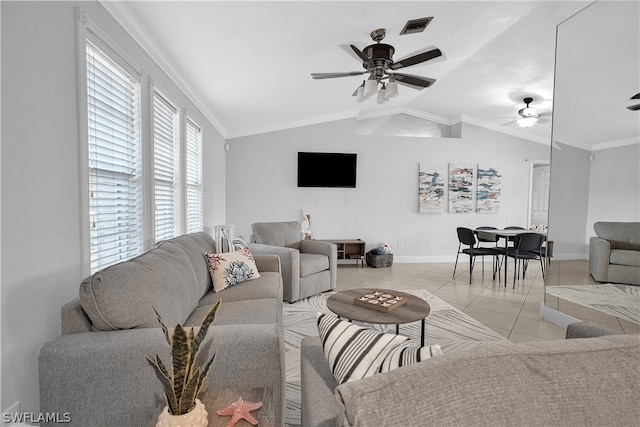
(197, 417)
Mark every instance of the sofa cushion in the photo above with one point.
(230, 268)
(312, 264)
(194, 245)
(287, 234)
(541, 383)
(257, 311)
(354, 352)
(266, 286)
(621, 235)
(123, 296)
(623, 257)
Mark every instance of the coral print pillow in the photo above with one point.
(230, 268)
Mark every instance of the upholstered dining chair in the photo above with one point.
(468, 238)
(526, 246)
(308, 267)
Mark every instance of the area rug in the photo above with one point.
(447, 326)
(621, 301)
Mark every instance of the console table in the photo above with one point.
(349, 249)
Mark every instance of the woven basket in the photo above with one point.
(378, 261)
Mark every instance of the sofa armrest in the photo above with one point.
(74, 319)
(289, 264)
(103, 378)
(323, 248)
(267, 263)
(599, 255)
(587, 330)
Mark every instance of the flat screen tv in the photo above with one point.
(327, 169)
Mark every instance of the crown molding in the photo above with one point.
(615, 143)
(124, 15)
(290, 125)
(519, 133)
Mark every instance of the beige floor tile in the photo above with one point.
(511, 312)
(506, 307)
(538, 328)
(452, 296)
(491, 318)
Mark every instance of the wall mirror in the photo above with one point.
(595, 154)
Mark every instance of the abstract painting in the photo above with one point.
(489, 185)
(431, 187)
(460, 187)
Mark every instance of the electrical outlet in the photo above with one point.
(400, 245)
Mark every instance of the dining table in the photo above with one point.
(506, 234)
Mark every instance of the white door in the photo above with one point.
(539, 211)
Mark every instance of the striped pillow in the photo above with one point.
(353, 352)
(407, 353)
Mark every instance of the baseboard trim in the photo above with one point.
(556, 317)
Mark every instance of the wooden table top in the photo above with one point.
(342, 304)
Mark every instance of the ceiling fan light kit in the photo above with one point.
(377, 60)
(528, 115)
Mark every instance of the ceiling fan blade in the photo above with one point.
(335, 75)
(637, 106)
(415, 82)
(360, 54)
(427, 55)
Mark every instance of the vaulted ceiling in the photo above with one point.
(247, 65)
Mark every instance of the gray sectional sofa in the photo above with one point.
(614, 253)
(96, 371)
(573, 382)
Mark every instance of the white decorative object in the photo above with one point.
(223, 237)
(305, 224)
(197, 417)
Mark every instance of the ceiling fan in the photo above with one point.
(377, 61)
(528, 115)
(635, 107)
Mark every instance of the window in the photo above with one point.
(164, 167)
(115, 180)
(141, 156)
(194, 177)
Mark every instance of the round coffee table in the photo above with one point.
(341, 303)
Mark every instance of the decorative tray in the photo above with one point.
(379, 301)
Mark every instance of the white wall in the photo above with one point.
(585, 191)
(614, 186)
(261, 185)
(41, 258)
(568, 201)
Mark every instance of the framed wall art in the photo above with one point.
(431, 178)
(460, 187)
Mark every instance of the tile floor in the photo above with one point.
(514, 313)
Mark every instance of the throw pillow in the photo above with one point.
(355, 352)
(407, 353)
(230, 268)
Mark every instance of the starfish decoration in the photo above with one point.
(240, 410)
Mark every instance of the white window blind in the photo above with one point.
(165, 118)
(113, 103)
(194, 177)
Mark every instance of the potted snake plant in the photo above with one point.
(182, 385)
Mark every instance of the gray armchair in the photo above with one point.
(308, 267)
(614, 254)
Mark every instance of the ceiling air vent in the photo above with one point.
(416, 25)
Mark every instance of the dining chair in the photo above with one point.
(468, 238)
(526, 246)
(489, 239)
